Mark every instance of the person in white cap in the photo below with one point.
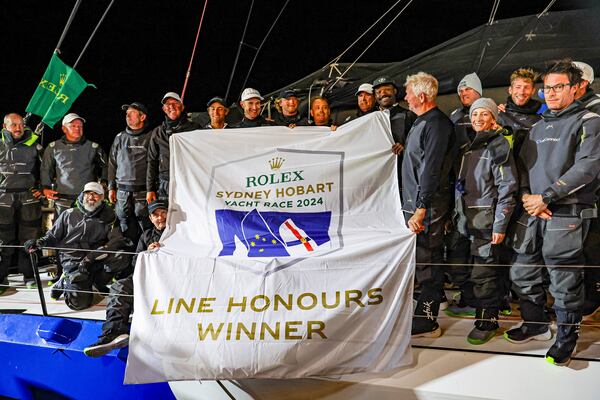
(70, 162)
(157, 175)
(365, 100)
(250, 101)
(591, 306)
(585, 94)
(88, 225)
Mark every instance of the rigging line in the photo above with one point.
(336, 59)
(520, 37)
(494, 10)
(262, 43)
(71, 249)
(189, 70)
(93, 33)
(67, 26)
(370, 44)
(237, 56)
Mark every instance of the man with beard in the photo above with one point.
(520, 111)
(289, 114)
(90, 225)
(320, 113)
(127, 167)
(426, 195)
(115, 330)
(20, 209)
(250, 103)
(401, 119)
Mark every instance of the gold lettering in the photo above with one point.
(266, 304)
(290, 329)
(249, 333)
(264, 327)
(330, 306)
(309, 307)
(188, 307)
(279, 300)
(170, 307)
(214, 334)
(233, 304)
(204, 305)
(311, 329)
(374, 296)
(154, 312)
(354, 295)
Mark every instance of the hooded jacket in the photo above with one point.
(19, 162)
(79, 228)
(519, 119)
(487, 177)
(560, 158)
(71, 165)
(158, 149)
(590, 100)
(127, 160)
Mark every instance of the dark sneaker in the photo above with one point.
(426, 330)
(560, 354)
(479, 336)
(525, 333)
(505, 307)
(460, 311)
(106, 344)
(58, 288)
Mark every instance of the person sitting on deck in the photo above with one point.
(115, 330)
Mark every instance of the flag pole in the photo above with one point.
(93, 33)
(189, 71)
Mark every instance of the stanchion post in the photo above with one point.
(38, 282)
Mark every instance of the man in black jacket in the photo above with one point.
(115, 330)
(20, 209)
(157, 177)
(250, 103)
(365, 100)
(90, 225)
(558, 174)
(127, 167)
(520, 111)
(289, 114)
(426, 195)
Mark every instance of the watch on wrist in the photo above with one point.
(547, 197)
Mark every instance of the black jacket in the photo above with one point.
(519, 119)
(19, 162)
(590, 100)
(426, 164)
(560, 158)
(148, 237)
(253, 123)
(282, 120)
(158, 149)
(70, 165)
(78, 228)
(127, 160)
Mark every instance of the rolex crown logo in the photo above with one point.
(276, 163)
(63, 78)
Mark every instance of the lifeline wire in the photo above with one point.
(189, 70)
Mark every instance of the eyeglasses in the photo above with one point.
(558, 88)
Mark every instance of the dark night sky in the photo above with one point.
(142, 50)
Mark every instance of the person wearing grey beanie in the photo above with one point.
(486, 103)
(486, 188)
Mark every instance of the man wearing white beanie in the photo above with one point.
(585, 94)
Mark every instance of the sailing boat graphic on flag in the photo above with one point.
(273, 234)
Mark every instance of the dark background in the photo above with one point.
(142, 49)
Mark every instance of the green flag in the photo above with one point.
(56, 92)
